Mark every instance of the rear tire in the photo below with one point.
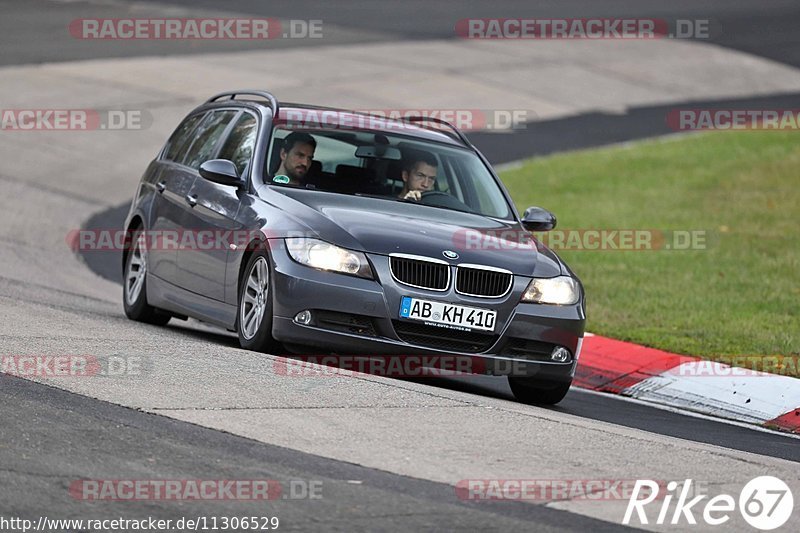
(254, 309)
(528, 390)
(134, 285)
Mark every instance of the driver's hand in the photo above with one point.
(413, 195)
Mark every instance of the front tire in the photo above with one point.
(254, 315)
(528, 390)
(134, 285)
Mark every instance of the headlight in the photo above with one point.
(562, 290)
(325, 256)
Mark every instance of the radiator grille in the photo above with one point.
(481, 282)
(420, 273)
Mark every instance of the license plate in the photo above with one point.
(448, 315)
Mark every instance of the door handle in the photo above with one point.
(161, 185)
(191, 199)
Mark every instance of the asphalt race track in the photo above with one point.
(767, 29)
(353, 496)
(385, 452)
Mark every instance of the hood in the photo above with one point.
(384, 227)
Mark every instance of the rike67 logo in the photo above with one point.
(765, 502)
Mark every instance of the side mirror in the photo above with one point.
(538, 219)
(221, 171)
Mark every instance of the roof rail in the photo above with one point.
(457, 131)
(231, 95)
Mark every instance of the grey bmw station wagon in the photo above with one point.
(338, 231)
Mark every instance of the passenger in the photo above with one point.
(297, 153)
(419, 175)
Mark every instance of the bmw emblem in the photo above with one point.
(450, 254)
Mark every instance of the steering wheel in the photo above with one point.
(443, 199)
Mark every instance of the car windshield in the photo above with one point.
(384, 165)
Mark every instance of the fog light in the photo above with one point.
(560, 355)
(303, 317)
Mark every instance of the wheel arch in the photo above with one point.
(135, 223)
(252, 247)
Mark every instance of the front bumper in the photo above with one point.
(360, 316)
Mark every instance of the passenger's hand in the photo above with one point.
(413, 195)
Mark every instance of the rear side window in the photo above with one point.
(182, 138)
(206, 138)
(239, 145)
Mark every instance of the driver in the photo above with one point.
(419, 175)
(297, 153)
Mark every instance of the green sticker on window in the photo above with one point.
(281, 178)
